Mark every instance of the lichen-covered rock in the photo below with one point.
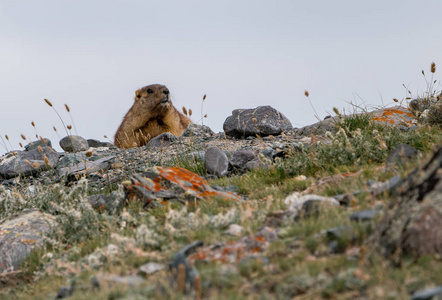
(74, 143)
(20, 234)
(260, 121)
(165, 184)
(25, 163)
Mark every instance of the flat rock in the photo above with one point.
(260, 121)
(86, 167)
(98, 144)
(74, 143)
(26, 163)
(216, 161)
(20, 234)
(160, 184)
(35, 144)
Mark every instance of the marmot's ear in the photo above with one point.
(137, 94)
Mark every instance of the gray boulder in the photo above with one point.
(260, 121)
(25, 163)
(74, 143)
(20, 234)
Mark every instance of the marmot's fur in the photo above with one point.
(152, 114)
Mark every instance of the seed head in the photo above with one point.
(184, 110)
(205, 116)
(254, 120)
(105, 136)
(40, 149)
(7, 137)
(433, 67)
(190, 112)
(21, 145)
(55, 129)
(33, 124)
(35, 165)
(423, 73)
(204, 97)
(69, 127)
(88, 153)
(23, 136)
(45, 158)
(67, 107)
(306, 93)
(48, 102)
(395, 100)
(28, 162)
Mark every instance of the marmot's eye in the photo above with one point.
(149, 91)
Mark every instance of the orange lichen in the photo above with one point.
(383, 119)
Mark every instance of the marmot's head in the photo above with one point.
(154, 98)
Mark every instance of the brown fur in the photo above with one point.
(151, 114)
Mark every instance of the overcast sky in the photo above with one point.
(93, 55)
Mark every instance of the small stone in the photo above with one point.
(162, 140)
(235, 230)
(427, 294)
(402, 154)
(74, 143)
(268, 152)
(196, 130)
(151, 268)
(240, 158)
(97, 144)
(255, 164)
(364, 215)
(298, 203)
(216, 161)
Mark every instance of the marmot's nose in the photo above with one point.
(166, 92)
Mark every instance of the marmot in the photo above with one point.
(151, 114)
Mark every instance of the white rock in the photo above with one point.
(151, 268)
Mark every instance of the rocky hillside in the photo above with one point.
(349, 207)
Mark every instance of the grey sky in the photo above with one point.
(93, 55)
